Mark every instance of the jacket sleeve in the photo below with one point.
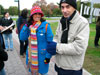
(79, 45)
(57, 32)
(24, 33)
(3, 54)
(18, 22)
(49, 36)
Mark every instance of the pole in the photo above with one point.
(90, 19)
(81, 6)
(18, 7)
(0, 10)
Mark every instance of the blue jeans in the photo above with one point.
(2, 72)
(8, 41)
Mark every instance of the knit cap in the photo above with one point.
(70, 2)
(36, 9)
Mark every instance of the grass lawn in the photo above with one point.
(51, 18)
(92, 58)
(14, 19)
(44, 18)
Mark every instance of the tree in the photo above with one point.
(48, 11)
(42, 4)
(13, 10)
(1, 10)
(97, 5)
(57, 12)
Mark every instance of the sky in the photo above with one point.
(94, 1)
(28, 3)
(23, 3)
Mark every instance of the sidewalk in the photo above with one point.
(16, 65)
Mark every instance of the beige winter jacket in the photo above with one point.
(71, 56)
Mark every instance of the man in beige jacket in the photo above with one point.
(72, 40)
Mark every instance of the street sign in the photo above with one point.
(16, 0)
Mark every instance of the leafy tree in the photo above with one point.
(48, 12)
(57, 12)
(97, 5)
(13, 10)
(1, 10)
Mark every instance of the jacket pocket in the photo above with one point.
(41, 35)
(42, 54)
(43, 51)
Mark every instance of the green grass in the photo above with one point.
(44, 18)
(54, 27)
(51, 19)
(14, 19)
(92, 58)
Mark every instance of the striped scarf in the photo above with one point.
(33, 48)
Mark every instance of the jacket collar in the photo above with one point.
(70, 18)
(7, 18)
(75, 17)
(41, 26)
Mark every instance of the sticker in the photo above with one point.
(41, 34)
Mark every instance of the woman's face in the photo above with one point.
(37, 16)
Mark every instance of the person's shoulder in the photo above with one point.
(20, 17)
(83, 19)
(45, 22)
(10, 19)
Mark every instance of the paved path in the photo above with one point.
(16, 65)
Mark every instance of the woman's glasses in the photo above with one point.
(37, 14)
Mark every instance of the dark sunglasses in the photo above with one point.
(37, 14)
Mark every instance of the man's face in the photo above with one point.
(67, 10)
(7, 15)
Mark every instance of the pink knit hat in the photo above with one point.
(36, 9)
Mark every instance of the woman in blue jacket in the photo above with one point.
(40, 34)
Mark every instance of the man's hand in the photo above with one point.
(51, 48)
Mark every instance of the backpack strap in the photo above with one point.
(46, 27)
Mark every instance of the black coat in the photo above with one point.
(1, 37)
(6, 22)
(3, 57)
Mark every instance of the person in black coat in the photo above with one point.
(20, 22)
(7, 35)
(1, 37)
(96, 41)
(3, 57)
